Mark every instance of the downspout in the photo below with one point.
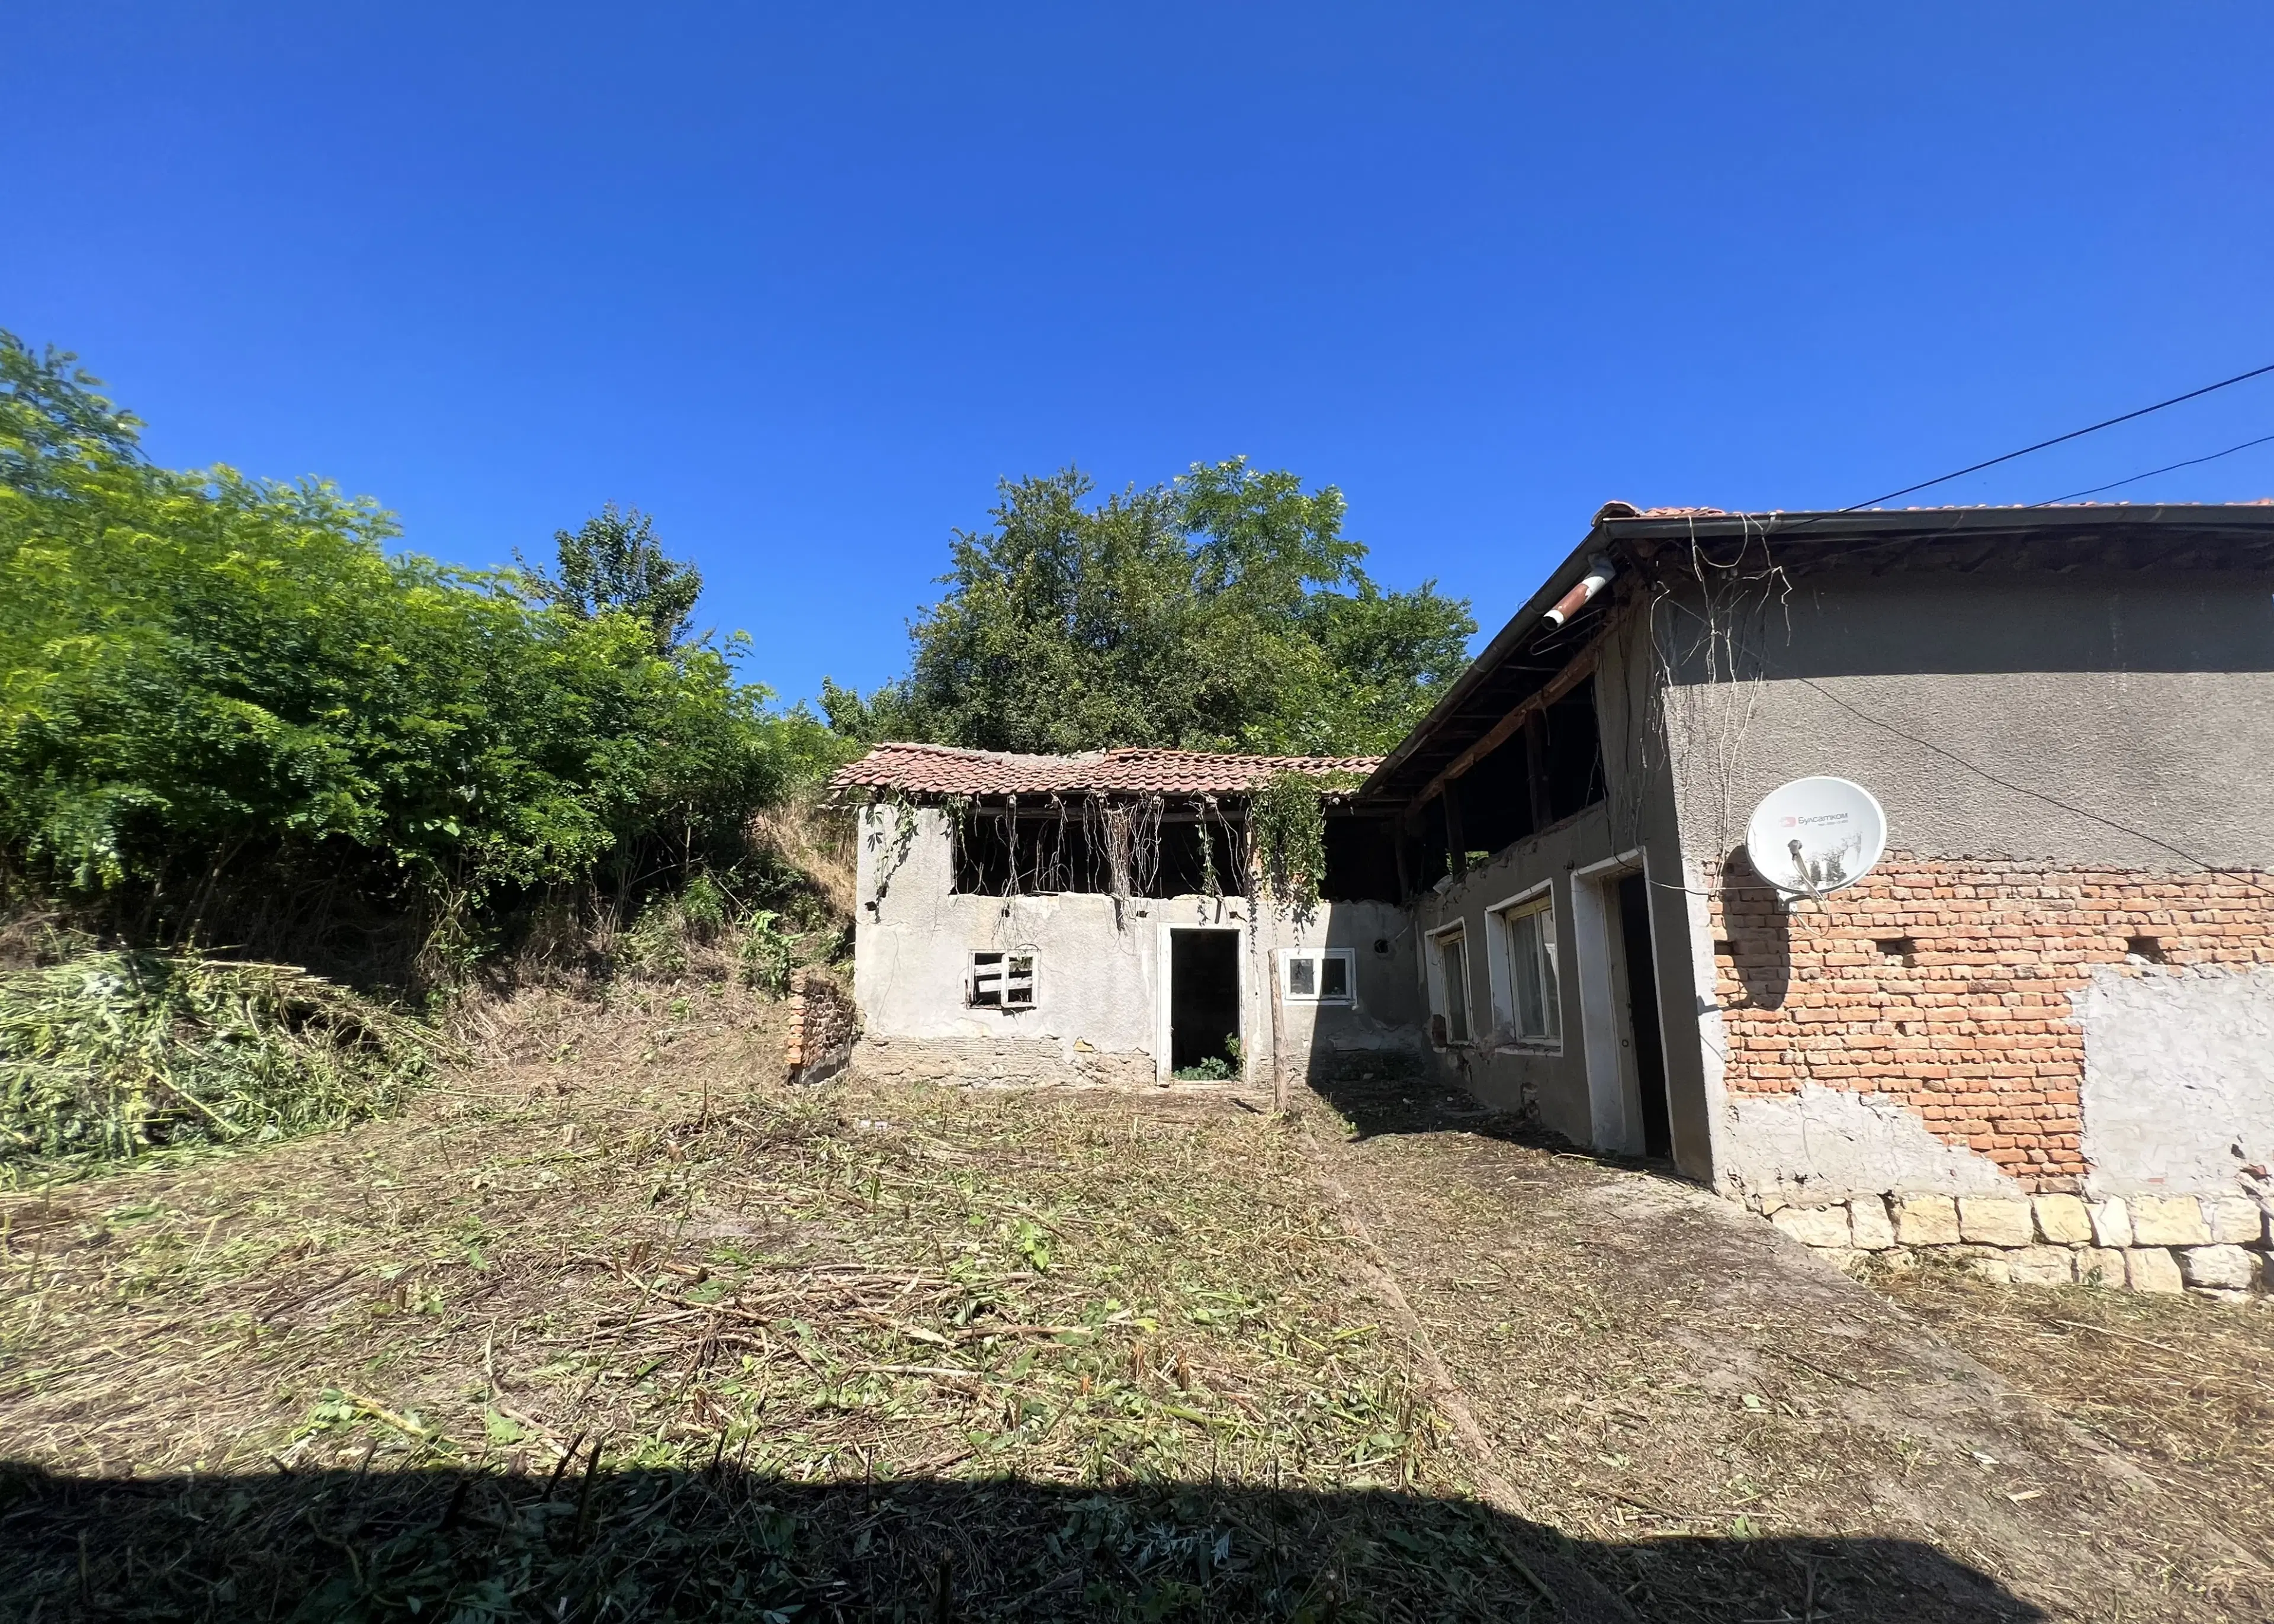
(1598, 576)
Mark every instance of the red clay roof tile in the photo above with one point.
(946, 770)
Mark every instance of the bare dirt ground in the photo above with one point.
(1651, 1364)
(614, 1325)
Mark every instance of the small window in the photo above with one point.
(1448, 984)
(1534, 1012)
(1003, 980)
(1316, 975)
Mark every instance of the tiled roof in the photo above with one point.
(945, 769)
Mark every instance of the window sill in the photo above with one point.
(1533, 1045)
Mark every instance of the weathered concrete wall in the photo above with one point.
(1574, 1090)
(2073, 720)
(2066, 763)
(1097, 1014)
(2179, 1078)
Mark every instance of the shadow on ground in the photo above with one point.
(723, 1544)
(1379, 1101)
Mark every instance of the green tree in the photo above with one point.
(206, 676)
(1225, 611)
(613, 563)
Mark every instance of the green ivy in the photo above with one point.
(1287, 819)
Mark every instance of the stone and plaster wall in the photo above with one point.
(2059, 985)
(1979, 1027)
(823, 1025)
(1097, 1018)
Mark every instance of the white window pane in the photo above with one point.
(1523, 972)
(1334, 976)
(1551, 998)
(1454, 958)
(1302, 977)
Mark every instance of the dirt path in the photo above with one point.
(1652, 1366)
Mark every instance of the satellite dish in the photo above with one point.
(1816, 835)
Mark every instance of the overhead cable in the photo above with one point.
(2060, 438)
(2167, 467)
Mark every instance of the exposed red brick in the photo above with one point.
(1975, 1033)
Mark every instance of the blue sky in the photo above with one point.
(803, 282)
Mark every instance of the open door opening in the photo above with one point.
(1203, 999)
(1641, 1014)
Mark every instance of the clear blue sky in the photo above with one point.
(805, 282)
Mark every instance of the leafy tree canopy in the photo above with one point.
(203, 673)
(1224, 611)
(612, 563)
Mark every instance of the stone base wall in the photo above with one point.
(2213, 1246)
(823, 1024)
(1024, 1062)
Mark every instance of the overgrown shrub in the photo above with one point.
(209, 681)
(109, 1054)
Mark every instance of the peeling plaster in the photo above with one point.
(1825, 1144)
(2179, 1077)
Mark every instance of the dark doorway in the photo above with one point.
(1203, 998)
(1642, 1015)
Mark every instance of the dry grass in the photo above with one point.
(610, 1324)
(1656, 1367)
(621, 1242)
(814, 838)
(2184, 1388)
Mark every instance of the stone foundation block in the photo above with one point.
(1994, 1221)
(1868, 1224)
(1926, 1221)
(2042, 1266)
(2151, 1268)
(2100, 1265)
(1896, 1261)
(2223, 1268)
(1991, 1266)
(1813, 1226)
(2168, 1221)
(2236, 1221)
(2062, 1220)
(2111, 1224)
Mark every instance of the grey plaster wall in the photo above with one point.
(2118, 720)
(1569, 1086)
(1099, 970)
(2179, 1078)
(1822, 1145)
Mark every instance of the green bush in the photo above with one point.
(111, 1054)
(208, 679)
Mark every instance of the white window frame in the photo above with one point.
(1505, 965)
(1317, 957)
(1009, 981)
(1439, 995)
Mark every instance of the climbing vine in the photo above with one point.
(1287, 819)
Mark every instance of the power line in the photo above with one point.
(2152, 472)
(2059, 438)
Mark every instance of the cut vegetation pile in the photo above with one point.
(112, 1054)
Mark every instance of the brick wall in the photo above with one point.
(1946, 986)
(822, 1025)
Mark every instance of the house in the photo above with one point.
(2053, 996)
(1072, 918)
